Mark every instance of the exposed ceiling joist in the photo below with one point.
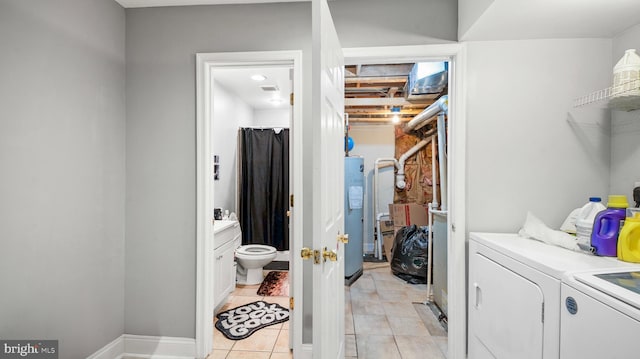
(365, 111)
(375, 80)
(391, 101)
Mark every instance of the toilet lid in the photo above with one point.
(256, 249)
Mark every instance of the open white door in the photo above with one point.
(328, 185)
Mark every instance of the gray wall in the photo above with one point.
(527, 148)
(397, 22)
(161, 148)
(161, 167)
(625, 128)
(62, 124)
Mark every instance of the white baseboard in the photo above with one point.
(307, 351)
(113, 350)
(142, 346)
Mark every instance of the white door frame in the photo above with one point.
(456, 275)
(205, 63)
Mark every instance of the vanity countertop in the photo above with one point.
(221, 224)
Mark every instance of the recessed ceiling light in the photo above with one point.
(258, 77)
(276, 101)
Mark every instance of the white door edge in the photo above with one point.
(456, 277)
(205, 62)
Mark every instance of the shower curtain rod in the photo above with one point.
(265, 128)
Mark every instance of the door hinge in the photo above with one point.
(291, 99)
(291, 303)
(290, 200)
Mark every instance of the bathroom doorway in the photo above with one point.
(240, 92)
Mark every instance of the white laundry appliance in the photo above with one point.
(515, 295)
(600, 315)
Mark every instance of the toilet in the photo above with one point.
(251, 258)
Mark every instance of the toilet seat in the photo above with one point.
(255, 250)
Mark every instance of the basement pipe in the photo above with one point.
(374, 207)
(442, 158)
(434, 178)
(426, 116)
(378, 247)
(430, 250)
(400, 183)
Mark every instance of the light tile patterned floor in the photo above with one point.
(381, 321)
(271, 342)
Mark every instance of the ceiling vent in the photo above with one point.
(269, 88)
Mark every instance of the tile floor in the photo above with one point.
(383, 319)
(271, 342)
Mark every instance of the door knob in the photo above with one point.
(306, 253)
(344, 238)
(330, 255)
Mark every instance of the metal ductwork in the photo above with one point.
(429, 85)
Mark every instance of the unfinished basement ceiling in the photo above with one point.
(373, 90)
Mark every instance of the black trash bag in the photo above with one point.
(409, 257)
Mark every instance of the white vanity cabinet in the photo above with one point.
(227, 237)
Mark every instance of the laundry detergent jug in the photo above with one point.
(607, 226)
(629, 240)
(584, 222)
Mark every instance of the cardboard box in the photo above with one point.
(386, 226)
(388, 234)
(407, 214)
(388, 238)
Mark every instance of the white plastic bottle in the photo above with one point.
(584, 223)
(626, 75)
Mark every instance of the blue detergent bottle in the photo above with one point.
(607, 225)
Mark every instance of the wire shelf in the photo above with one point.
(625, 96)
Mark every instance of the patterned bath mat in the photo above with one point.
(275, 284)
(240, 322)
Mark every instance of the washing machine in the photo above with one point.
(515, 296)
(600, 315)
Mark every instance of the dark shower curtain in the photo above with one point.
(264, 187)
